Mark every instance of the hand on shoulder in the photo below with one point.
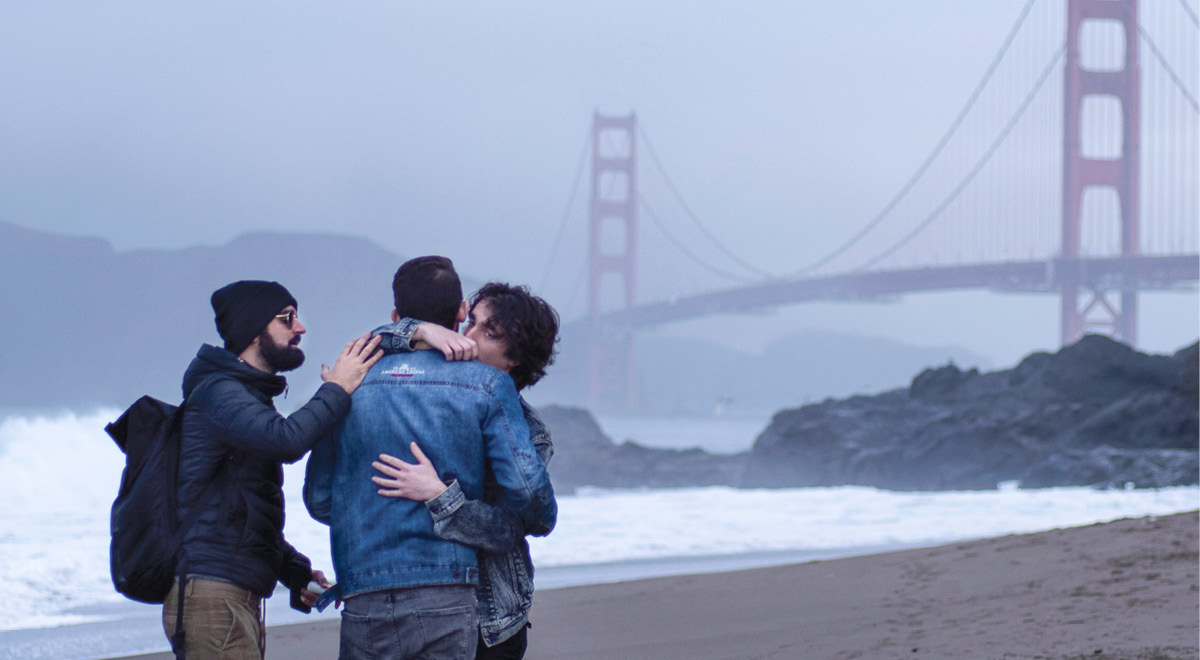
(356, 358)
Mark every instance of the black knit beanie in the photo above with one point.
(245, 308)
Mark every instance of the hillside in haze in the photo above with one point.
(83, 325)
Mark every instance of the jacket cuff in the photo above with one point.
(297, 574)
(448, 502)
(397, 337)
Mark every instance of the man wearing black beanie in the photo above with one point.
(230, 469)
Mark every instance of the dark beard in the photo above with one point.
(279, 357)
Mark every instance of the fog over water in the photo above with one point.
(460, 130)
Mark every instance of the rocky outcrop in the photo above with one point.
(584, 456)
(1096, 413)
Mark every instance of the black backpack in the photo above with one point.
(146, 531)
(144, 520)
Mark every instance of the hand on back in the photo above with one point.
(417, 481)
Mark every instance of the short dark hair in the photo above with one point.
(529, 326)
(428, 289)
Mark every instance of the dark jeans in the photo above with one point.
(512, 648)
(435, 623)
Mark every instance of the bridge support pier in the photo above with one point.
(1095, 310)
(612, 260)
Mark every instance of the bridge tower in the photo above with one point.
(1095, 310)
(612, 260)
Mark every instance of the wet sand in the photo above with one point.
(1125, 590)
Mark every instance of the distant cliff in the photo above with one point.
(1096, 413)
(82, 325)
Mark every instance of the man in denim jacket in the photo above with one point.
(410, 593)
(514, 331)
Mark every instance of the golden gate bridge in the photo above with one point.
(1071, 170)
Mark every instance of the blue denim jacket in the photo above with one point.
(465, 416)
(505, 568)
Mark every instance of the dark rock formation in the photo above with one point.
(584, 456)
(1096, 413)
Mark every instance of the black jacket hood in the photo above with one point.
(213, 360)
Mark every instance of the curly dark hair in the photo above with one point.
(528, 324)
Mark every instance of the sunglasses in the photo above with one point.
(287, 317)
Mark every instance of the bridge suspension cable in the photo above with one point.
(1191, 13)
(566, 216)
(974, 171)
(933, 155)
(1168, 68)
(692, 216)
(654, 219)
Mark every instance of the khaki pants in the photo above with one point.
(220, 621)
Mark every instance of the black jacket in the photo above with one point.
(233, 434)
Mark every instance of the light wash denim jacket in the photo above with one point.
(505, 568)
(467, 418)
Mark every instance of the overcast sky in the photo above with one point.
(458, 128)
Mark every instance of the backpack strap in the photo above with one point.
(178, 646)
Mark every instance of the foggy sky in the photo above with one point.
(457, 129)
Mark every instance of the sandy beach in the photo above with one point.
(1125, 590)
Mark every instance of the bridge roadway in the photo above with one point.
(1044, 276)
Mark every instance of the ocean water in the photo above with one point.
(62, 471)
(718, 434)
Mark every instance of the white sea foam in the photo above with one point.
(605, 526)
(60, 477)
(62, 473)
